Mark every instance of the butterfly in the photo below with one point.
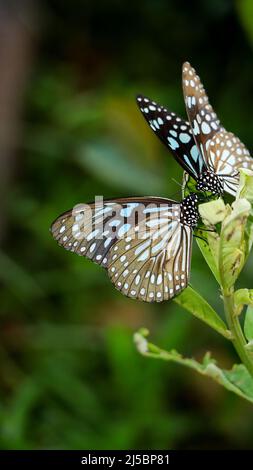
(207, 152)
(144, 243)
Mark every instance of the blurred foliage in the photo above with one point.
(70, 375)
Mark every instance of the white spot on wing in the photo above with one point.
(173, 143)
(185, 138)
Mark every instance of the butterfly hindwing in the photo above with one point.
(148, 255)
(91, 229)
(155, 267)
(226, 155)
(175, 133)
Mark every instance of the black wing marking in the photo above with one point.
(175, 133)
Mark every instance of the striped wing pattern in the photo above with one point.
(155, 267)
(225, 156)
(147, 259)
(175, 133)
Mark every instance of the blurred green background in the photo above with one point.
(69, 130)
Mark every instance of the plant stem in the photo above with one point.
(235, 328)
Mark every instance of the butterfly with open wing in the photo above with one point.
(143, 242)
(206, 151)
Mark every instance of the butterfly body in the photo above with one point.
(189, 210)
(209, 181)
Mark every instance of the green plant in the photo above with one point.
(226, 250)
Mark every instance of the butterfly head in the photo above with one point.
(209, 181)
(189, 210)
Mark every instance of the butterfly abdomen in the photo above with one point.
(189, 211)
(209, 181)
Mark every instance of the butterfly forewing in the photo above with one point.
(91, 229)
(147, 255)
(203, 120)
(83, 231)
(175, 133)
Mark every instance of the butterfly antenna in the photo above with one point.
(177, 182)
(187, 186)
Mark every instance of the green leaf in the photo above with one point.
(234, 245)
(245, 191)
(213, 212)
(243, 297)
(245, 188)
(237, 380)
(210, 250)
(199, 307)
(248, 323)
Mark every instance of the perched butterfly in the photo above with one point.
(208, 153)
(143, 242)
